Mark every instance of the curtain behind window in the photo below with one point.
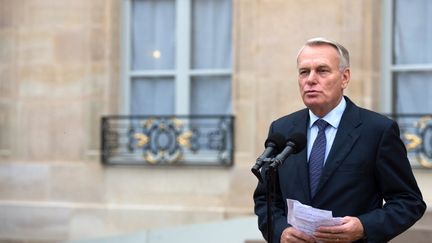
(413, 45)
(153, 33)
(153, 48)
(211, 49)
(153, 30)
(211, 34)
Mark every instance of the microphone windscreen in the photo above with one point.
(275, 140)
(298, 140)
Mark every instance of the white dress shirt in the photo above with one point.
(333, 118)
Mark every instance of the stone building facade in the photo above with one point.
(60, 71)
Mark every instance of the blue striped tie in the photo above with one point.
(317, 155)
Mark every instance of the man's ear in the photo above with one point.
(346, 77)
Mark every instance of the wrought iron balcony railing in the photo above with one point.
(168, 140)
(416, 133)
(209, 140)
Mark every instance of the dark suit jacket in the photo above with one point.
(366, 165)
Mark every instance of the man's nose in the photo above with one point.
(312, 77)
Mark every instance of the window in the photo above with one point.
(176, 85)
(407, 74)
(177, 57)
(407, 61)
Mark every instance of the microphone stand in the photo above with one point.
(270, 176)
(270, 171)
(298, 142)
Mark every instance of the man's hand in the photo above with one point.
(292, 235)
(350, 230)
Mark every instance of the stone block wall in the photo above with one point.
(60, 71)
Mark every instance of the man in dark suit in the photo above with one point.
(355, 163)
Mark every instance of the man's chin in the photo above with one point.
(311, 103)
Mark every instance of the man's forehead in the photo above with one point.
(318, 50)
(310, 55)
(316, 62)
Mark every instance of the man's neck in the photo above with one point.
(323, 111)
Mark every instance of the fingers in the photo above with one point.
(332, 237)
(293, 235)
(350, 230)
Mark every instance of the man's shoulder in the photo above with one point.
(368, 116)
(374, 117)
(295, 116)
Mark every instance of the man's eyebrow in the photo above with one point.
(300, 69)
(323, 65)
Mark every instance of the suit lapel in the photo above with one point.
(303, 173)
(300, 159)
(346, 136)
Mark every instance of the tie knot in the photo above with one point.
(321, 124)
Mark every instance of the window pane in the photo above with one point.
(152, 96)
(153, 34)
(211, 34)
(414, 92)
(413, 32)
(211, 95)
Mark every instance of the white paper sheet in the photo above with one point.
(307, 219)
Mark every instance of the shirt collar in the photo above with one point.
(333, 117)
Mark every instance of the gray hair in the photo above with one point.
(342, 51)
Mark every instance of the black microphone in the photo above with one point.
(295, 143)
(273, 145)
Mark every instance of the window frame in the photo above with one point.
(389, 69)
(182, 73)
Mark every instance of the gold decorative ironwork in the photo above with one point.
(168, 140)
(424, 162)
(150, 158)
(417, 137)
(184, 139)
(177, 123)
(156, 158)
(142, 139)
(422, 122)
(414, 141)
(176, 157)
(148, 123)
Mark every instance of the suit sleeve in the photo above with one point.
(278, 207)
(403, 200)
